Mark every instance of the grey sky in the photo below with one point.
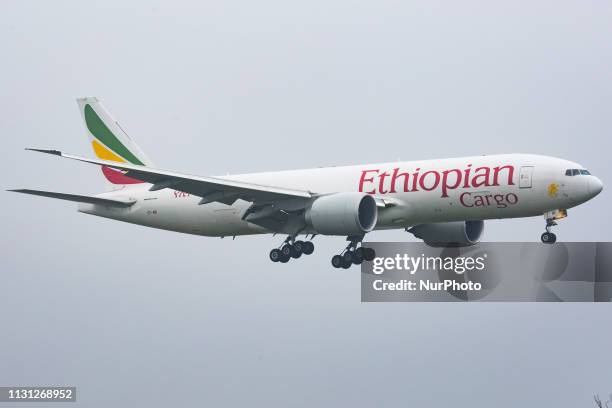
(134, 315)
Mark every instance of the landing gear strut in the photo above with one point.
(551, 218)
(548, 237)
(291, 249)
(352, 254)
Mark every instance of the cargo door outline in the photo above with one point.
(525, 177)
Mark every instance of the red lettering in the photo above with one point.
(484, 175)
(415, 177)
(467, 171)
(498, 170)
(514, 198)
(395, 180)
(381, 182)
(363, 179)
(435, 185)
(396, 175)
(462, 199)
(445, 185)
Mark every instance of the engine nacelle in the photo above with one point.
(343, 214)
(449, 234)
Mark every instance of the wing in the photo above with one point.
(275, 208)
(208, 188)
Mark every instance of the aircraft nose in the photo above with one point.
(595, 186)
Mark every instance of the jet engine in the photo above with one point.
(449, 234)
(343, 214)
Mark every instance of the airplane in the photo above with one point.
(443, 202)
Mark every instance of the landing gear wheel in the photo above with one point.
(295, 251)
(337, 261)
(353, 254)
(276, 255)
(368, 254)
(286, 250)
(357, 256)
(299, 246)
(307, 247)
(285, 259)
(549, 238)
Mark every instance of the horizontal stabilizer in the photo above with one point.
(76, 197)
(48, 151)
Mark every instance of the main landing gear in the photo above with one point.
(352, 255)
(291, 249)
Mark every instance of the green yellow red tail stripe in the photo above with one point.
(104, 135)
(107, 146)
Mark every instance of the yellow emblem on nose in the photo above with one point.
(553, 189)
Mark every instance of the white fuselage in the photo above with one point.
(427, 191)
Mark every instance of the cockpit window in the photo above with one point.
(577, 172)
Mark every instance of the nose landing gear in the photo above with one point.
(548, 237)
(353, 255)
(291, 249)
(551, 220)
